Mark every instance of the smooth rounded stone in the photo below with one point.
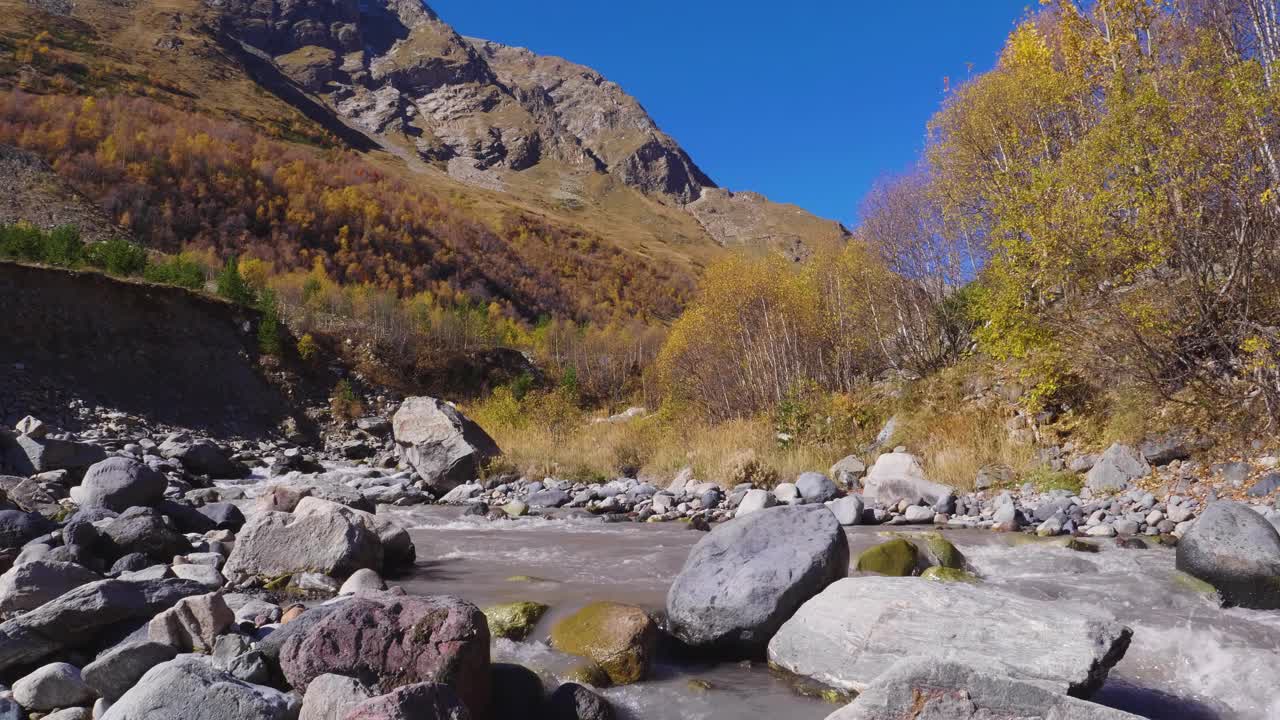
(52, 686)
(755, 500)
(1101, 531)
(224, 516)
(857, 628)
(711, 498)
(77, 617)
(206, 575)
(250, 609)
(212, 559)
(331, 697)
(896, 558)
(848, 510)
(423, 701)
(118, 669)
(74, 713)
(193, 623)
(32, 584)
(621, 639)
(746, 577)
(192, 689)
(787, 494)
(941, 552)
(274, 544)
(816, 488)
(517, 692)
(515, 509)
(308, 582)
(1049, 528)
(143, 530)
(362, 580)
(1116, 469)
(917, 514)
(203, 457)
(971, 689)
(119, 483)
(17, 528)
(548, 499)
(848, 472)
(151, 572)
(1236, 550)
(514, 621)
(132, 562)
(392, 640)
(445, 447)
(899, 476)
(572, 701)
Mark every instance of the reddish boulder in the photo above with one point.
(389, 641)
(424, 701)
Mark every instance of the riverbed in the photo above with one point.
(1189, 659)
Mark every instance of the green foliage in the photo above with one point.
(344, 403)
(1045, 479)
(269, 332)
(232, 286)
(117, 257)
(522, 385)
(60, 247)
(307, 347)
(181, 270)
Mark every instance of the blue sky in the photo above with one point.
(807, 101)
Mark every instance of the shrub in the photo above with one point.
(231, 284)
(345, 404)
(117, 257)
(269, 342)
(63, 247)
(746, 467)
(20, 242)
(180, 270)
(1045, 479)
(307, 347)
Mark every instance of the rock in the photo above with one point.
(280, 498)
(787, 494)
(993, 476)
(119, 483)
(940, 552)
(1166, 448)
(17, 528)
(1266, 485)
(391, 641)
(572, 701)
(193, 624)
(816, 488)
(896, 558)
(331, 697)
(548, 499)
(1237, 551)
(517, 692)
(143, 530)
(1116, 469)
(31, 427)
(57, 685)
(898, 476)
(423, 701)
(234, 654)
(273, 544)
(224, 516)
(75, 713)
(515, 509)
(11, 710)
(857, 628)
(249, 609)
(848, 472)
(363, 580)
(1234, 473)
(75, 618)
(917, 514)
(1101, 531)
(745, 578)
(945, 574)
(26, 455)
(191, 689)
(130, 563)
(203, 458)
(621, 639)
(440, 443)
(755, 500)
(848, 510)
(32, 584)
(118, 669)
(514, 621)
(972, 689)
(294, 622)
(206, 575)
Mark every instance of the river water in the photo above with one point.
(1189, 659)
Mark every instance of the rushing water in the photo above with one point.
(1189, 659)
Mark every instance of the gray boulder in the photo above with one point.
(203, 457)
(1237, 551)
(440, 443)
(32, 584)
(548, 499)
(857, 628)
(17, 528)
(11, 710)
(755, 500)
(848, 510)
(975, 689)
(119, 483)
(746, 577)
(899, 476)
(423, 701)
(191, 689)
(120, 668)
(143, 530)
(848, 472)
(193, 623)
(53, 686)
(275, 544)
(1116, 469)
(572, 701)
(331, 697)
(76, 618)
(26, 455)
(224, 516)
(816, 487)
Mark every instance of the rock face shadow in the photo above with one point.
(1153, 704)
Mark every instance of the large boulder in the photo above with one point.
(856, 628)
(275, 544)
(621, 639)
(26, 455)
(119, 483)
(17, 528)
(440, 443)
(192, 689)
(976, 689)
(391, 641)
(746, 577)
(848, 472)
(143, 530)
(1118, 467)
(572, 701)
(193, 623)
(32, 584)
(899, 476)
(421, 701)
(77, 618)
(113, 672)
(331, 697)
(1237, 551)
(397, 546)
(815, 487)
(203, 457)
(52, 686)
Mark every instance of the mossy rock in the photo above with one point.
(896, 558)
(698, 685)
(620, 639)
(515, 509)
(514, 621)
(1077, 544)
(589, 673)
(946, 574)
(942, 553)
(1194, 583)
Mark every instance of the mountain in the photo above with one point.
(496, 131)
